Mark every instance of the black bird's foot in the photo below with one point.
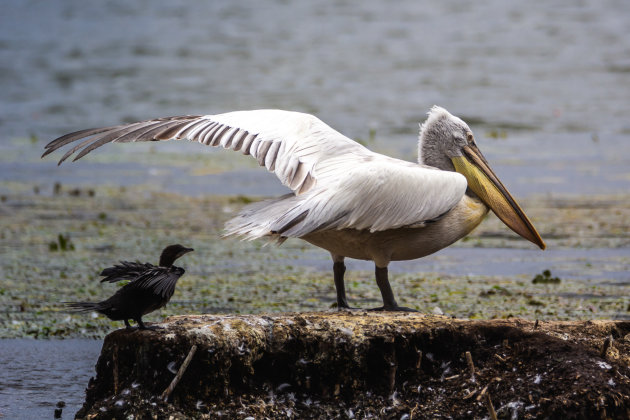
(152, 327)
(149, 327)
(132, 329)
(392, 308)
(143, 326)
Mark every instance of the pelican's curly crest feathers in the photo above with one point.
(440, 121)
(436, 113)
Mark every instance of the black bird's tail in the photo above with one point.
(82, 306)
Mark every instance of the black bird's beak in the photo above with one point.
(185, 251)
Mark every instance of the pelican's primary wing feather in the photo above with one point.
(293, 145)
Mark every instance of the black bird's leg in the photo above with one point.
(127, 324)
(389, 302)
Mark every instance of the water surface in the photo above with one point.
(37, 374)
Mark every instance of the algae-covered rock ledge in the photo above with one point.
(363, 365)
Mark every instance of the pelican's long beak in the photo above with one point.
(484, 183)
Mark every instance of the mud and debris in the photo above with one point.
(364, 365)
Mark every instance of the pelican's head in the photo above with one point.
(447, 143)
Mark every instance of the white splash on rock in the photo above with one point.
(171, 367)
(603, 365)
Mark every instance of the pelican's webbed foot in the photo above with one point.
(344, 307)
(393, 309)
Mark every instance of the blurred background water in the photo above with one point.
(544, 85)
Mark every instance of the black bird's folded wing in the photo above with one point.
(126, 270)
(158, 280)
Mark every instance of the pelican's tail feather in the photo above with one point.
(269, 219)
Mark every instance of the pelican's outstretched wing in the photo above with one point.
(337, 182)
(292, 145)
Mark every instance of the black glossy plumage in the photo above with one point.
(150, 287)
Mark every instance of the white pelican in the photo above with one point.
(346, 199)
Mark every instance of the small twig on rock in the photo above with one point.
(493, 414)
(182, 369)
(413, 411)
(471, 366)
(337, 390)
(482, 393)
(607, 343)
(419, 360)
(470, 394)
(390, 358)
(115, 368)
(536, 325)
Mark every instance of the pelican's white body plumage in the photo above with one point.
(337, 183)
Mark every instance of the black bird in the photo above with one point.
(150, 288)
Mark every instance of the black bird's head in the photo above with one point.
(171, 253)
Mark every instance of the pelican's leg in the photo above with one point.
(389, 302)
(339, 269)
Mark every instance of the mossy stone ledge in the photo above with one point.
(363, 365)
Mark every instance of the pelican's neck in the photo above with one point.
(471, 211)
(430, 153)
